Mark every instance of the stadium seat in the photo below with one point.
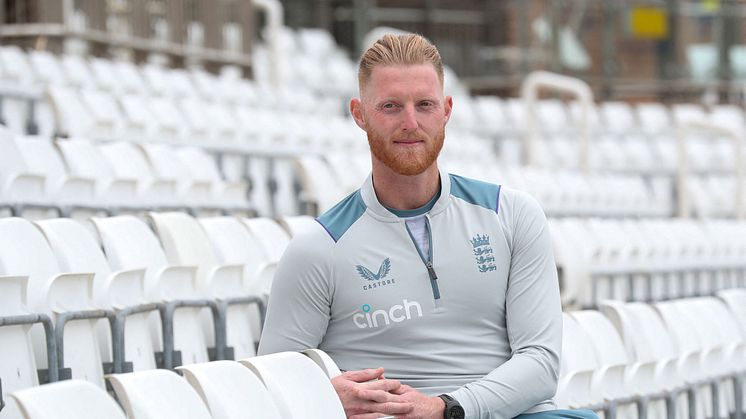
(298, 224)
(186, 243)
(230, 390)
(157, 394)
(25, 251)
(70, 399)
(576, 387)
(84, 159)
(299, 388)
(77, 250)
(69, 192)
(129, 162)
(130, 244)
(19, 184)
(324, 361)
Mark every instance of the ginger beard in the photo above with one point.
(403, 160)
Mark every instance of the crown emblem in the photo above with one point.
(483, 240)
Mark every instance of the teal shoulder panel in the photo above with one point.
(476, 192)
(338, 219)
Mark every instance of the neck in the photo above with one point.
(404, 192)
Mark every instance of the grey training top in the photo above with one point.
(479, 317)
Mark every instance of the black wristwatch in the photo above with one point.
(453, 409)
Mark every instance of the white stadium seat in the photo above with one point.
(70, 399)
(157, 394)
(299, 388)
(230, 390)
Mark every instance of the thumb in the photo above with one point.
(362, 376)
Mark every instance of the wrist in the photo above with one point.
(452, 409)
(440, 407)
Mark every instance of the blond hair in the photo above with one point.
(390, 50)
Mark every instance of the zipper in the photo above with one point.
(428, 261)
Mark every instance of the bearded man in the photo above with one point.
(447, 284)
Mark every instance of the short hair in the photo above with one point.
(409, 49)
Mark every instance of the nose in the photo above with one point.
(409, 119)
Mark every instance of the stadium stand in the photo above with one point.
(654, 304)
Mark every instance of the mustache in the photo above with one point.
(410, 137)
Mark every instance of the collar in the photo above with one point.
(378, 211)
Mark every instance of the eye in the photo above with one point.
(426, 104)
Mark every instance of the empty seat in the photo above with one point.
(70, 399)
(186, 243)
(19, 184)
(157, 394)
(130, 244)
(230, 390)
(299, 388)
(62, 188)
(77, 250)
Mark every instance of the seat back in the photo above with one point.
(157, 394)
(230, 390)
(298, 386)
(77, 250)
(69, 399)
(272, 237)
(130, 244)
(186, 243)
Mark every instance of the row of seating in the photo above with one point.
(646, 260)
(109, 177)
(676, 359)
(194, 291)
(285, 385)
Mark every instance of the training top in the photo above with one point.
(478, 317)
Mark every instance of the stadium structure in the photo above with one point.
(157, 156)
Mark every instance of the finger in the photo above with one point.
(392, 408)
(369, 416)
(378, 396)
(403, 389)
(386, 385)
(362, 376)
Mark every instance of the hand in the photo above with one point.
(366, 394)
(425, 407)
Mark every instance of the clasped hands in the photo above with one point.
(367, 394)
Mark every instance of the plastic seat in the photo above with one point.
(84, 159)
(167, 166)
(157, 394)
(18, 368)
(230, 390)
(61, 188)
(324, 361)
(24, 251)
(129, 162)
(19, 184)
(129, 244)
(576, 388)
(273, 238)
(185, 242)
(298, 224)
(320, 187)
(300, 389)
(70, 399)
(203, 168)
(77, 250)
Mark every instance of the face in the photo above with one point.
(404, 113)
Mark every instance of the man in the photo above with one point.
(447, 283)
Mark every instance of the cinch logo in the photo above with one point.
(377, 318)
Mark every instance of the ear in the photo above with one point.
(356, 109)
(448, 107)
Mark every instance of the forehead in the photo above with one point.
(403, 80)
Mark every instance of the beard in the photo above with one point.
(405, 161)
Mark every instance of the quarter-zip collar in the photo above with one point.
(378, 211)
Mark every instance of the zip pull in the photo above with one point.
(433, 280)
